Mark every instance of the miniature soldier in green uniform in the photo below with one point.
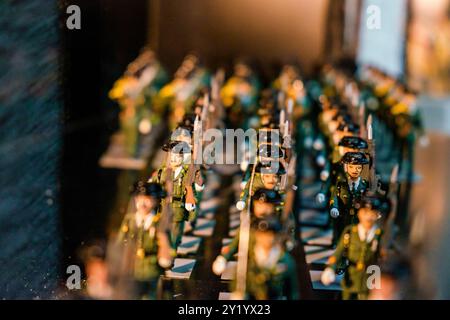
(358, 248)
(135, 92)
(347, 192)
(335, 169)
(140, 230)
(271, 271)
(178, 96)
(182, 210)
(240, 95)
(266, 176)
(264, 204)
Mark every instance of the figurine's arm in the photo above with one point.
(334, 203)
(220, 263)
(329, 274)
(232, 248)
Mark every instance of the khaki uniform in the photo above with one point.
(357, 254)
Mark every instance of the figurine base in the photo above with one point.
(116, 157)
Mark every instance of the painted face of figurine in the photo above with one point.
(176, 160)
(269, 180)
(264, 239)
(354, 170)
(262, 209)
(145, 204)
(367, 217)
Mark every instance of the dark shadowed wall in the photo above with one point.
(222, 29)
(30, 146)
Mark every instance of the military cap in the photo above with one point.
(269, 224)
(370, 201)
(353, 142)
(179, 147)
(355, 158)
(148, 189)
(269, 135)
(188, 120)
(181, 130)
(373, 201)
(268, 150)
(268, 168)
(348, 127)
(267, 195)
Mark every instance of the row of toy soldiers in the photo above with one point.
(351, 189)
(396, 118)
(268, 188)
(147, 98)
(265, 267)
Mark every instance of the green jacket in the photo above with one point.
(278, 282)
(344, 199)
(359, 255)
(179, 191)
(144, 243)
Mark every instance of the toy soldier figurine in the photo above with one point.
(264, 203)
(239, 95)
(347, 192)
(358, 248)
(135, 92)
(271, 272)
(335, 169)
(140, 230)
(266, 176)
(181, 209)
(179, 95)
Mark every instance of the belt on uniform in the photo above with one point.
(177, 199)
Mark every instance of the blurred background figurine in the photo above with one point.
(139, 231)
(177, 97)
(98, 278)
(240, 95)
(135, 93)
(271, 270)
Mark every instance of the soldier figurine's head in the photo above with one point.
(270, 173)
(147, 196)
(264, 202)
(369, 210)
(269, 152)
(353, 163)
(266, 231)
(345, 129)
(352, 144)
(177, 150)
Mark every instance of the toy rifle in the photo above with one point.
(196, 152)
(165, 222)
(362, 121)
(373, 179)
(389, 224)
(244, 239)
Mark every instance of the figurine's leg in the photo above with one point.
(177, 233)
(337, 229)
